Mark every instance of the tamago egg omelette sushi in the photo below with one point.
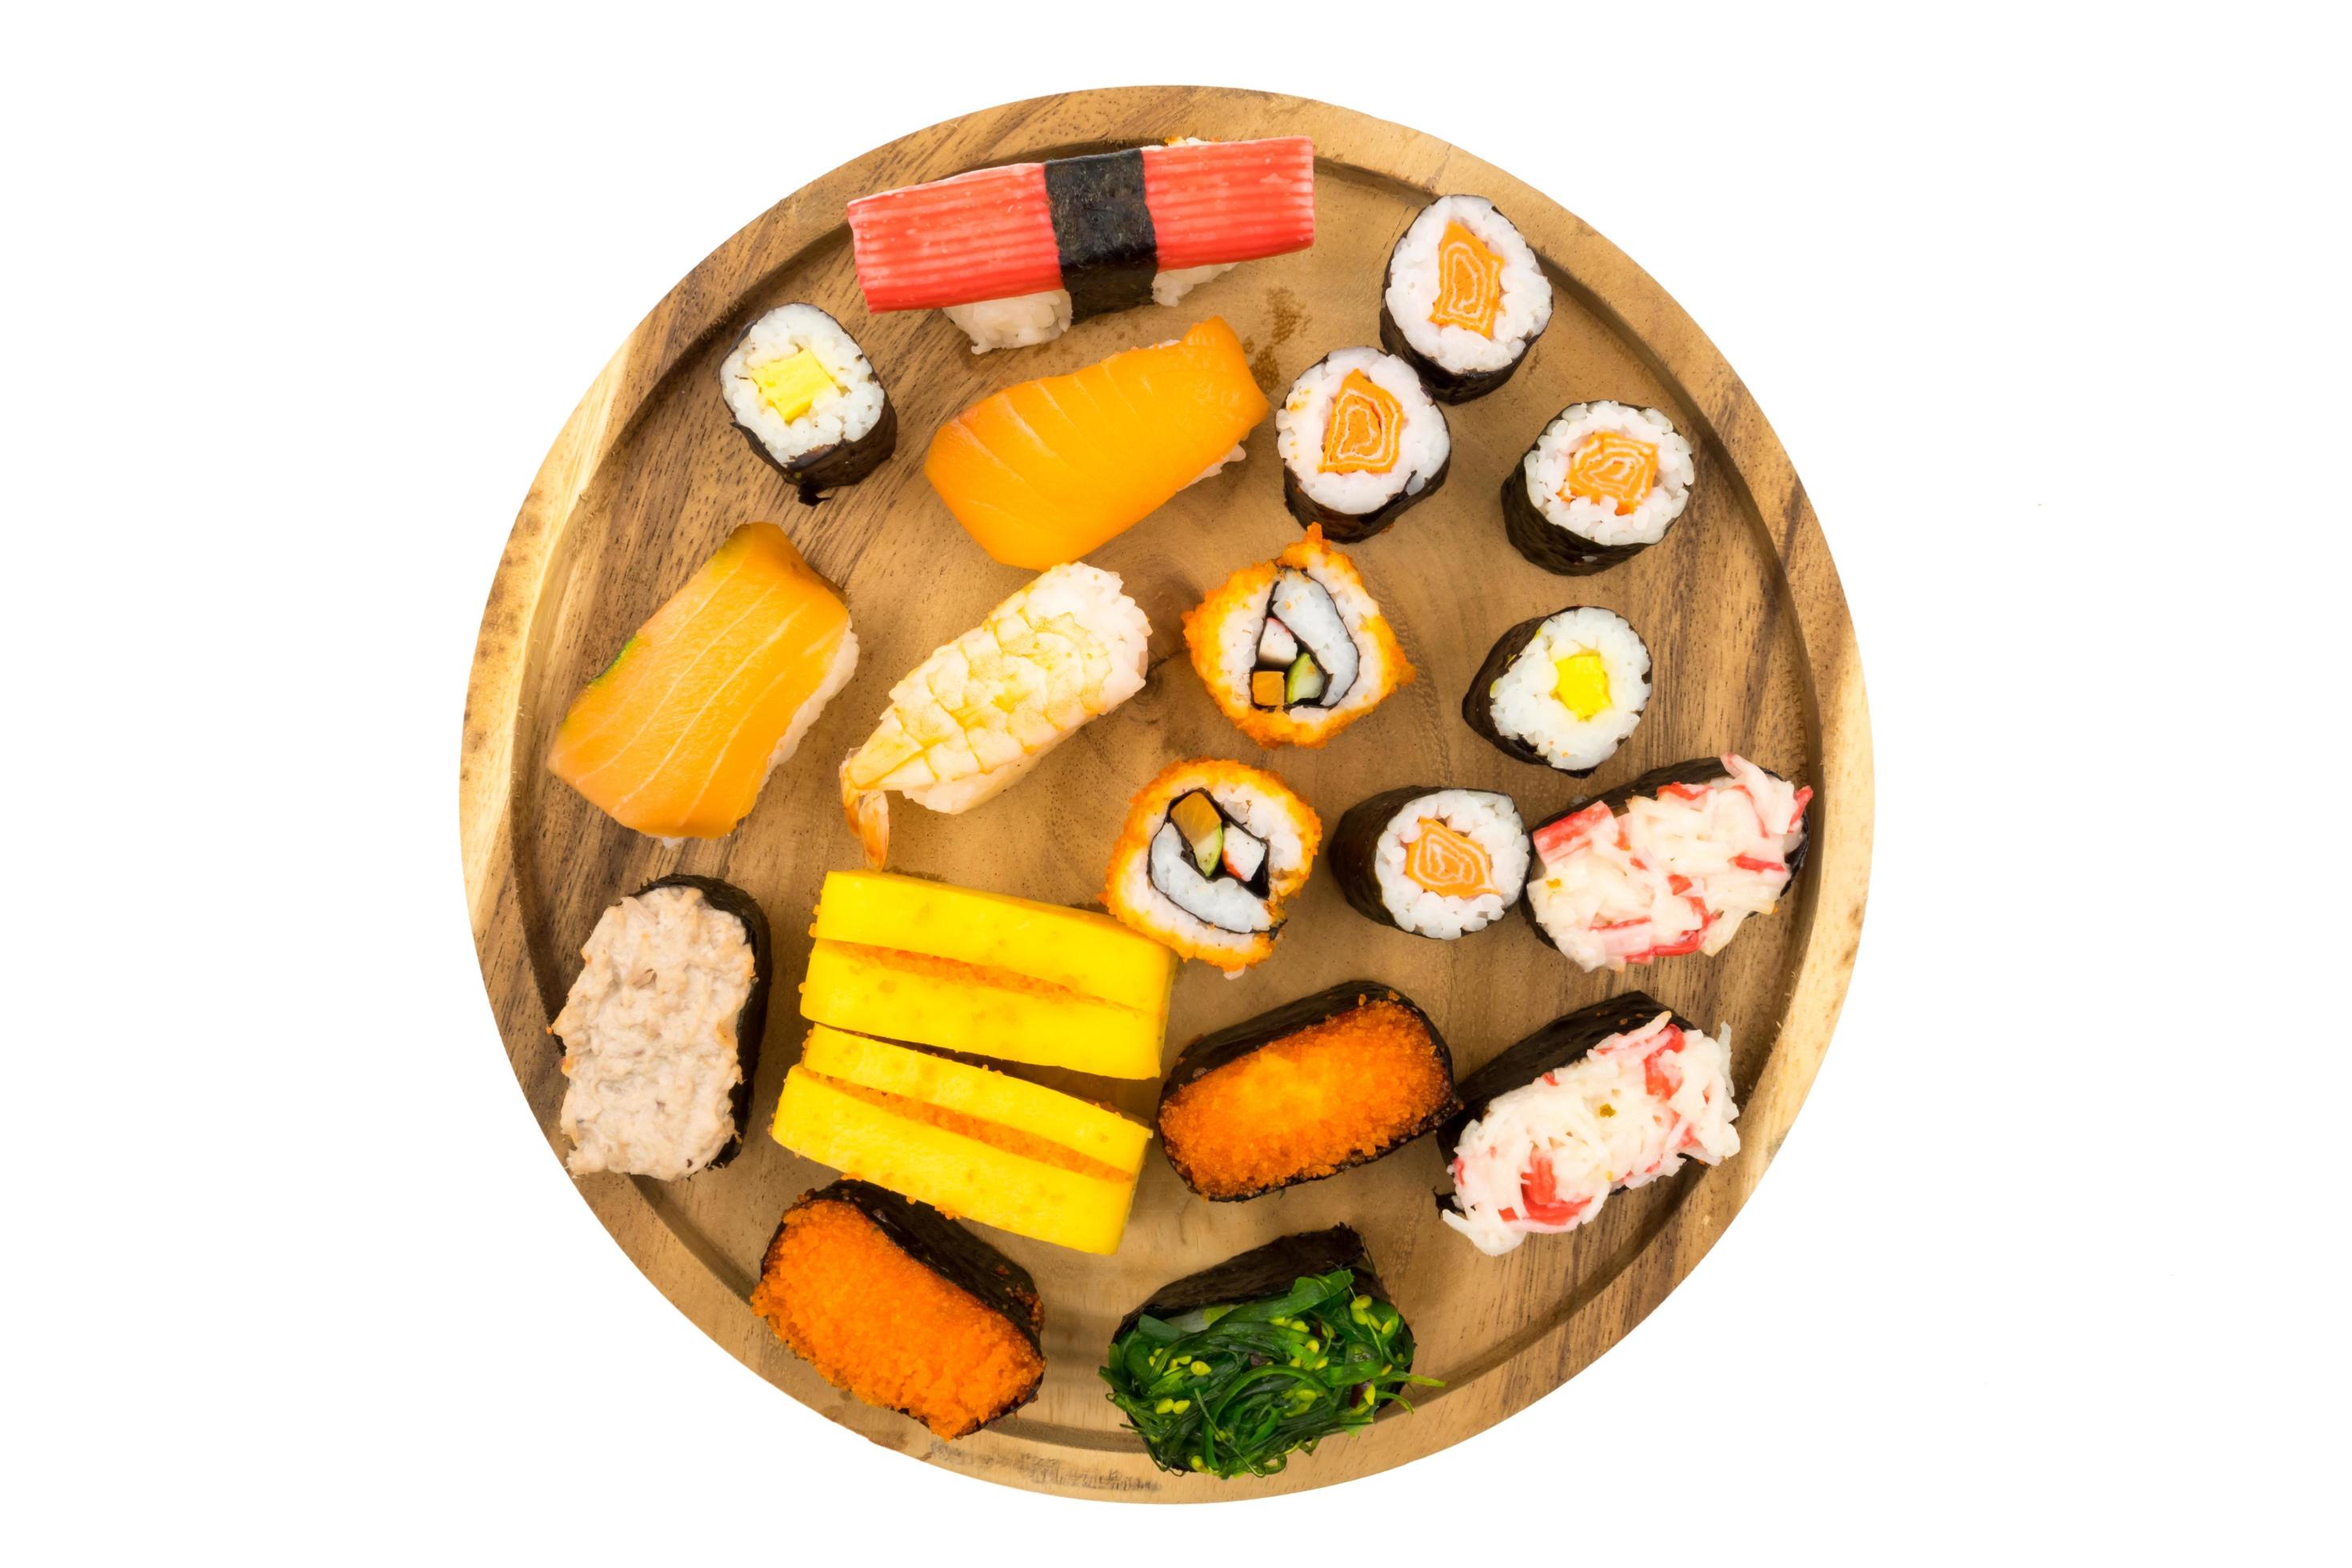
(1211, 853)
(1295, 649)
(1601, 484)
(805, 397)
(1563, 690)
(1465, 297)
(1360, 441)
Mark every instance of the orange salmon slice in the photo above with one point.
(1363, 433)
(1469, 282)
(1614, 468)
(1448, 862)
(678, 733)
(1046, 470)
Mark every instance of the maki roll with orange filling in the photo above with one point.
(1212, 852)
(889, 1301)
(1295, 649)
(1433, 861)
(661, 1030)
(1601, 484)
(1563, 690)
(1673, 862)
(1361, 442)
(1465, 297)
(1232, 1369)
(1612, 1097)
(1331, 1081)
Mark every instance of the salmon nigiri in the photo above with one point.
(1046, 470)
(678, 734)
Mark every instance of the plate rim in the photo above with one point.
(1606, 281)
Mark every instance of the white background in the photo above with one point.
(2047, 305)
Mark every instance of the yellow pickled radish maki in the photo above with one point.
(1563, 690)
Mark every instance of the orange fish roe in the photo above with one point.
(1469, 282)
(1335, 1094)
(879, 1323)
(1363, 431)
(1449, 863)
(1011, 1140)
(1613, 468)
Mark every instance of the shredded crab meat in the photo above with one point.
(1544, 1159)
(1675, 872)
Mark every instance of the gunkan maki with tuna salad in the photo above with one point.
(1232, 1369)
(893, 1302)
(1327, 1083)
(661, 1030)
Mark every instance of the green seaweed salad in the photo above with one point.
(1223, 1390)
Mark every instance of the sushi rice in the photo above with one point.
(1487, 819)
(843, 413)
(1546, 469)
(1527, 703)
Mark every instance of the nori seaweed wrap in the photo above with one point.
(1363, 1053)
(1215, 1372)
(1547, 544)
(915, 1351)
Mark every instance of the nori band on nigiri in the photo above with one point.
(1102, 228)
(1694, 771)
(1546, 542)
(1227, 1045)
(1214, 1373)
(1479, 702)
(947, 1249)
(751, 1021)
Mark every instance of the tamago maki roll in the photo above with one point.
(1295, 649)
(1563, 690)
(1601, 484)
(805, 395)
(1360, 441)
(1465, 297)
(1431, 862)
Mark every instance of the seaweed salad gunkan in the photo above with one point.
(1229, 1371)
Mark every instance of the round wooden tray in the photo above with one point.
(1740, 605)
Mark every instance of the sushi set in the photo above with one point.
(1118, 970)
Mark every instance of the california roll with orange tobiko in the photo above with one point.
(1212, 852)
(1612, 1097)
(1296, 649)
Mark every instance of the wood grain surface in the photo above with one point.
(1740, 605)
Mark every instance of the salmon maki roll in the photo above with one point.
(1296, 649)
(1465, 297)
(677, 735)
(1212, 852)
(1046, 470)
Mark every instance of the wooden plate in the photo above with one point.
(1740, 606)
